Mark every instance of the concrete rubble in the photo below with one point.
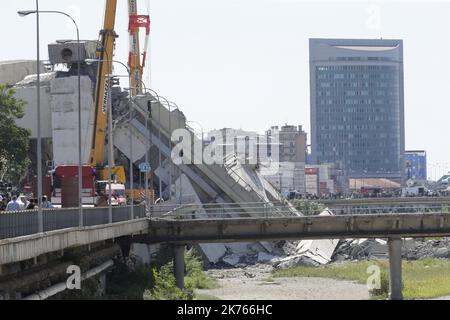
(361, 249)
(421, 249)
(308, 252)
(292, 254)
(235, 254)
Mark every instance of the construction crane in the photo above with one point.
(66, 175)
(105, 54)
(136, 22)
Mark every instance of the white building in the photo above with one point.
(290, 177)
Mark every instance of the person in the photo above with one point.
(23, 201)
(2, 203)
(13, 205)
(102, 200)
(31, 205)
(46, 204)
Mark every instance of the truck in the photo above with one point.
(65, 187)
(118, 195)
(416, 191)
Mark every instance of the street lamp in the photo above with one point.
(39, 138)
(146, 126)
(179, 169)
(172, 107)
(111, 140)
(159, 137)
(203, 131)
(24, 13)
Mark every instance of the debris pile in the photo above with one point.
(314, 253)
(238, 254)
(436, 248)
(311, 253)
(361, 249)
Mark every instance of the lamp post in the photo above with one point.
(203, 131)
(159, 137)
(39, 137)
(25, 13)
(179, 169)
(147, 140)
(111, 140)
(170, 105)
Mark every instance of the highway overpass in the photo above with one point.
(182, 226)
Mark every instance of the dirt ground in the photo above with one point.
(256, 283)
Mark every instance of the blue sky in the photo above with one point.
(244, 63)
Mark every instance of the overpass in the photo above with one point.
(182, 225)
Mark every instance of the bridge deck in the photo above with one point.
(298, 228)
(182, 225)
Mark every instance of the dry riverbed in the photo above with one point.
(256, 283)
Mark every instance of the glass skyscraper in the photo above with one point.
(357, 106)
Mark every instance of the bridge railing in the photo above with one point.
(394, 208)
(228, 210)
(268, 210)
(23, 223)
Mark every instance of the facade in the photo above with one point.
(292, 143)
(247, 145)
(416, 165)
(312, 181)
(325, 179)
(357, 106)
(289, 177)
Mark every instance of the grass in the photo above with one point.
(206, 297)
(422, 279)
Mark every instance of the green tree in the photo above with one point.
(308, 208)
(14, 141)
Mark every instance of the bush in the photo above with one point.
(308, 208)
(164, 283)
(196, 277)
(165, 287)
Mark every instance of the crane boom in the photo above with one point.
(105, 53)
(134, 60)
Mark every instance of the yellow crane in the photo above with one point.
(105, 54)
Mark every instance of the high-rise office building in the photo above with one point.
(357, 106)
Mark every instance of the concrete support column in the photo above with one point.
(178, 265)
(395, 267)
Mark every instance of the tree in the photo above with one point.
(14, 140)
(308, 208)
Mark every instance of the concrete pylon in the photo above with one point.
(179, 265)
(395, 267)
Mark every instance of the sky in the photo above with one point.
(245, 63)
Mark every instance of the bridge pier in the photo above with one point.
(395, 268)
(179, 265)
